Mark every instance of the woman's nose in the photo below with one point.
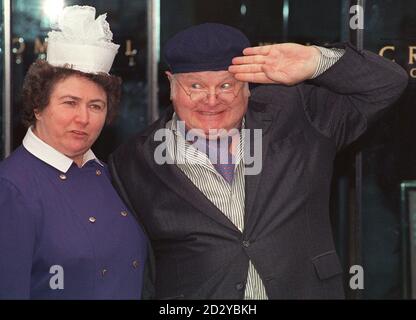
(83, 115)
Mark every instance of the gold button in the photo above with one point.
(124, 213)
(98, 172)
(103, 272)
(135, 264)
(92, 219)
(62, 176)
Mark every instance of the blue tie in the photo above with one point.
(226, 171)
(219, 154)
(224, 164)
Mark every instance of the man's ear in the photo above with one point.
(169, 75)
(172, 88)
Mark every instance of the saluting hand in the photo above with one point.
(286, 63)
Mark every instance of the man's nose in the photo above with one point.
(212, 98)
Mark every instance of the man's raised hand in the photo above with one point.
(285, 63)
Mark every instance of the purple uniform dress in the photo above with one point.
(66, 235)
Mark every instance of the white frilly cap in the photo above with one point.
(82, 43)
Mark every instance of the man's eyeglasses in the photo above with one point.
(225, 95)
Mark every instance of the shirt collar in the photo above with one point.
(51, 156)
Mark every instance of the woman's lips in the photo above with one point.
(79, 133)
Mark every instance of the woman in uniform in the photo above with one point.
(64, 231)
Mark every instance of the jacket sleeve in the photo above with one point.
(17, 242)
(343, 101)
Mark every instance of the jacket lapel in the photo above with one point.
(256, 118)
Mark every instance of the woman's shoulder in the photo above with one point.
(17, 167)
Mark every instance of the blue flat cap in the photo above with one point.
(205, 47)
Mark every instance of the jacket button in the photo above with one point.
(62, 177)
(239, 286)
(124, 213)
(246, 243)
(98, 172)
(103, 272)
(135, 264)
(92, 219)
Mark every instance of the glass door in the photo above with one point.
(389, 157)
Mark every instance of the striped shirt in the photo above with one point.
(327, 59)
(229, 198)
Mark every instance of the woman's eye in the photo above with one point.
(97, 107)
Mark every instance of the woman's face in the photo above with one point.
(74, 117)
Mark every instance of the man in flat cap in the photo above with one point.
(232, 187)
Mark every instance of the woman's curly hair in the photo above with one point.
(41, 79)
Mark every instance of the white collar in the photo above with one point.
(51, 156)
